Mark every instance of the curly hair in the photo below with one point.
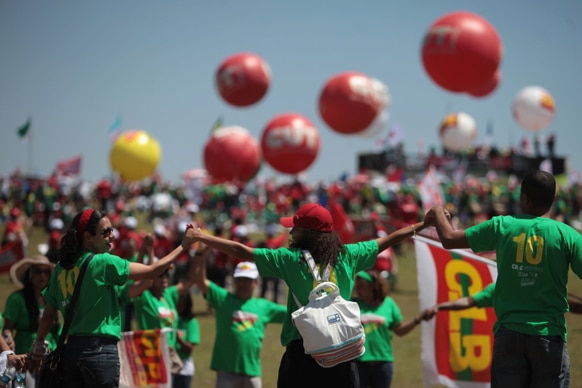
(71, 246)
(325, 247)
(380, 288)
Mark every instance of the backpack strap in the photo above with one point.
(313, 268)
(314, 272)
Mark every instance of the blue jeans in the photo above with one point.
(375, 374)
(521, 360)
(91, 362)
(181, 381)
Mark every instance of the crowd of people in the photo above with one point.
(143, 273)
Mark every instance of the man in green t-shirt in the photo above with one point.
(241, 321)
(534, 254)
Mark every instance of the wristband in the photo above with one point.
(416, 320)
(6, 353)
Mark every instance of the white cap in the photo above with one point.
(130, 223)
(241, 231)
(246, 269)
(57, 224)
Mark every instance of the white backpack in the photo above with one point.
(330, 326)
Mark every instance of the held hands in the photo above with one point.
(189, 236)
(148, 242)
(430, 216)
(18, 361)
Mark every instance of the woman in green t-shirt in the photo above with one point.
(91, 357)
(25, 306)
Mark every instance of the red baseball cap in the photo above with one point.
(311, 216)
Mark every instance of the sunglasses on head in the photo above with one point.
(40, 271)
(107, 232)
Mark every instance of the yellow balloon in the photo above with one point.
(135, 155)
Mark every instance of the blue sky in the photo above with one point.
(74, 66)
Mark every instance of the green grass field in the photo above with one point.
(408, 367)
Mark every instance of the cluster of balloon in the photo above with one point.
(243, 79)
(351, 102)
(534, 108)
(232, 154)
(461, 53)
(290, 143)
(134, 155)
(457, 132)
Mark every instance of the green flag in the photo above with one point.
(217, 124)
(24, 131)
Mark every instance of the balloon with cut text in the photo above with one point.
(232, 154)
(534, 108)
(461, 51)
(290, 143)
(350, 102)
(458, 131)
(487, 88)
(243, 79)
(134, 155)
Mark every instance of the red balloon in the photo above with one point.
(290, 143)
(488, 87)
(461, 51)
(232, 154)
(350, 101)
(243, 79)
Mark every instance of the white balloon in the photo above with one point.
(534, 108)
(458, 131)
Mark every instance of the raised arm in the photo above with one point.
(229, 247)
(400, 235)
(138, 271)
(146, 249)
(185, 284)
(449, 237)
(199, 271)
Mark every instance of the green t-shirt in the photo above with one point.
(288, 264)
(190, 333)
(97, 309)
(240, 329)
(378, 324)
(534, 255)
(484, 298)
(154, 313)
(24, 335)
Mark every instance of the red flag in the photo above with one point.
(342, 224)
(70, 166)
